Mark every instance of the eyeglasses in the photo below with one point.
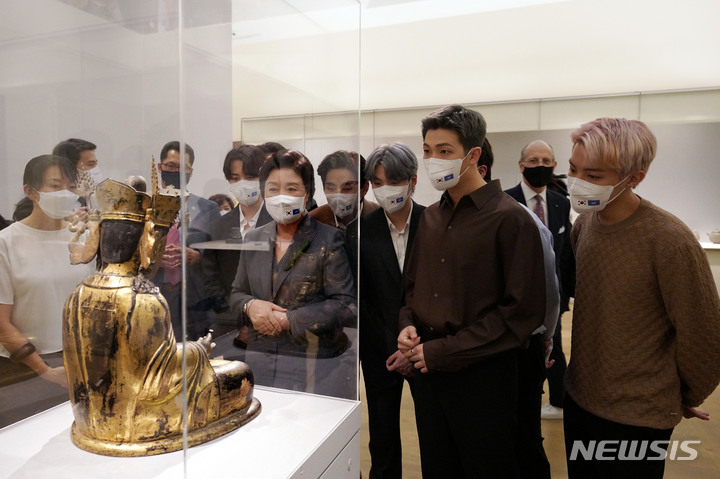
(537, 161)
(173, 167)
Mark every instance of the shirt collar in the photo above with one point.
(407, 222)
(479, 197)
(254, 218)
(530, 193)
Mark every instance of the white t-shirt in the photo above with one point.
(36, 277)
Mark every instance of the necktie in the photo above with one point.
(172, 275)
(539, 208)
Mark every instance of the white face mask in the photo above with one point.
(391, 198)
(444, 174)
(247, 192)
(224, 212)
(58, 204)
(342, 204)
(285, 209)
(95, 174)
(586, 196)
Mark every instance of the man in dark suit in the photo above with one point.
(385, 242)
(241, 169)
(537, 163)
(200, 212)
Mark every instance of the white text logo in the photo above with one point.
(634, 450)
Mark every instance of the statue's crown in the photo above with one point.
(165, 206)
(119, 201)
(165, 202)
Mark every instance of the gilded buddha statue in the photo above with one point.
(124, 366)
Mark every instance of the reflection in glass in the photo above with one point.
(35, 279)
(296, 295)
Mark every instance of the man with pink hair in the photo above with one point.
(646, 319)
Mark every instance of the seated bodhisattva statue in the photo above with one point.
(124, 366)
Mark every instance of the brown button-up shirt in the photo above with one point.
(475, 280)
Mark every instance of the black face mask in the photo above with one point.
(538, 176)
(173, 178)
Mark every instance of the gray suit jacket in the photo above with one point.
(312, 280)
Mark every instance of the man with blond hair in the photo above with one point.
(646, 320)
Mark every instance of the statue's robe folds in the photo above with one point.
(125, 374)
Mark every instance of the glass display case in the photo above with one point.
(132, 108)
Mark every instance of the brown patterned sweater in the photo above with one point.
(646, 320)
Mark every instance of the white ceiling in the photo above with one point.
(311, 56)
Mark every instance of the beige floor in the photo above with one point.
(705, 466)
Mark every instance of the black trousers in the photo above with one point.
(466, 420)
(583, 426)
(556, 374)
(532, 460)
(383, 390)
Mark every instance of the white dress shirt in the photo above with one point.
(399, 238)
(245, 224)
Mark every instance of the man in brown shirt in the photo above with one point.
(475, 291)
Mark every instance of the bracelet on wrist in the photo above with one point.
(22, 352)
(246, 307)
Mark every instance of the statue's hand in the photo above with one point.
(206, 342)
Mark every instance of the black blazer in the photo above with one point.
(382, 285)
(220, 266)
(558, 222)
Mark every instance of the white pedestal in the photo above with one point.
(296, 435)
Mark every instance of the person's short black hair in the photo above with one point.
(175, 146)
(23, 208)
(220, 198)
(487, 159)
(469, 125)
(82, 145)
(69, 150)
(336, 160)
(363, 175)
(35, 169)
(252, 159)
(294, 160)
(271, 147)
